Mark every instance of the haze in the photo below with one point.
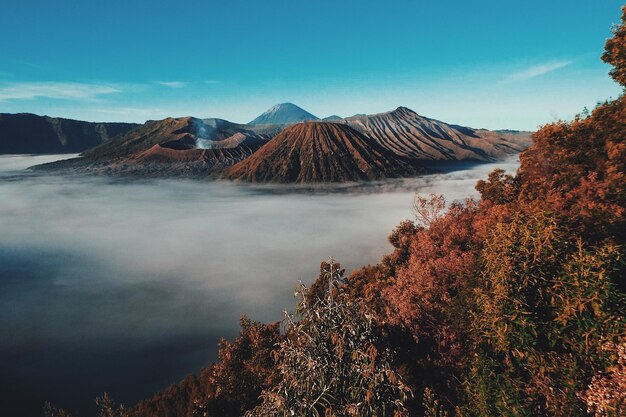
(125, 287)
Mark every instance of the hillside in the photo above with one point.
(408, 134)
(399, 143)
(321, 152)
(28, 133)
(173, 146)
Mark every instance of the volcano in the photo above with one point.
(283, 148)
(406, 133)
(184, 146)
(314, 152)
(283, 114)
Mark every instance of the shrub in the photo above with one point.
(328, 363)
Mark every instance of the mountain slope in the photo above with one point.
(408, 134)
(394, 144)
(29, 133)
(173, 146)
(321, 152)
(175, 133)
(282, 114)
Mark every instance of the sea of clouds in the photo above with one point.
(126, 286)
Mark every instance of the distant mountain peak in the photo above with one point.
(280, 106)
(282, 114)
(403, 109)
(399, 111)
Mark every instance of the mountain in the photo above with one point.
(333, 118)
(410, 135)
(179, 133)
(321, 152)
(30, 133)
(394, 144)
(174, 146)
(283, 114)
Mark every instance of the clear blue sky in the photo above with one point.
(491, 63)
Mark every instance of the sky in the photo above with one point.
(485, 63)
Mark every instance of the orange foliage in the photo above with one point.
(226, 388)
(245, 367)
(615, 51)
(439, 270)
(501, 305)
(367, 283)
(577, 170)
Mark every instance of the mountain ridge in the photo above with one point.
(28, 133)
(170, 147)
(409, 134)
(191, 146)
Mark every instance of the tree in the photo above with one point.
(108, 408)
(428, 209)
(328, 363)
(615, 51)
(227, 388)
(500, 188)
(543, 312)
(245, 367)
(105, 404)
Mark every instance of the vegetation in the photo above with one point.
(227, 388)
(328, 364)
(511, 305)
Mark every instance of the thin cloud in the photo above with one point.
(55, 90)
(536, 71)
(126, 110)
(172, 84)
(133, 113)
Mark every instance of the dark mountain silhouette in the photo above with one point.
(408, 134)
(29, 133)
(283, 114)
(321, 152)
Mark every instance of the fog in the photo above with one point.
(126, 286)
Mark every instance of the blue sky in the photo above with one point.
(492, 63)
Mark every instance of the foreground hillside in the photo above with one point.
(510, 305)
(28, 133)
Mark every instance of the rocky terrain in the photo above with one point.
(287, 144)
(174, 146)
(406, 133)
(322, 152)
